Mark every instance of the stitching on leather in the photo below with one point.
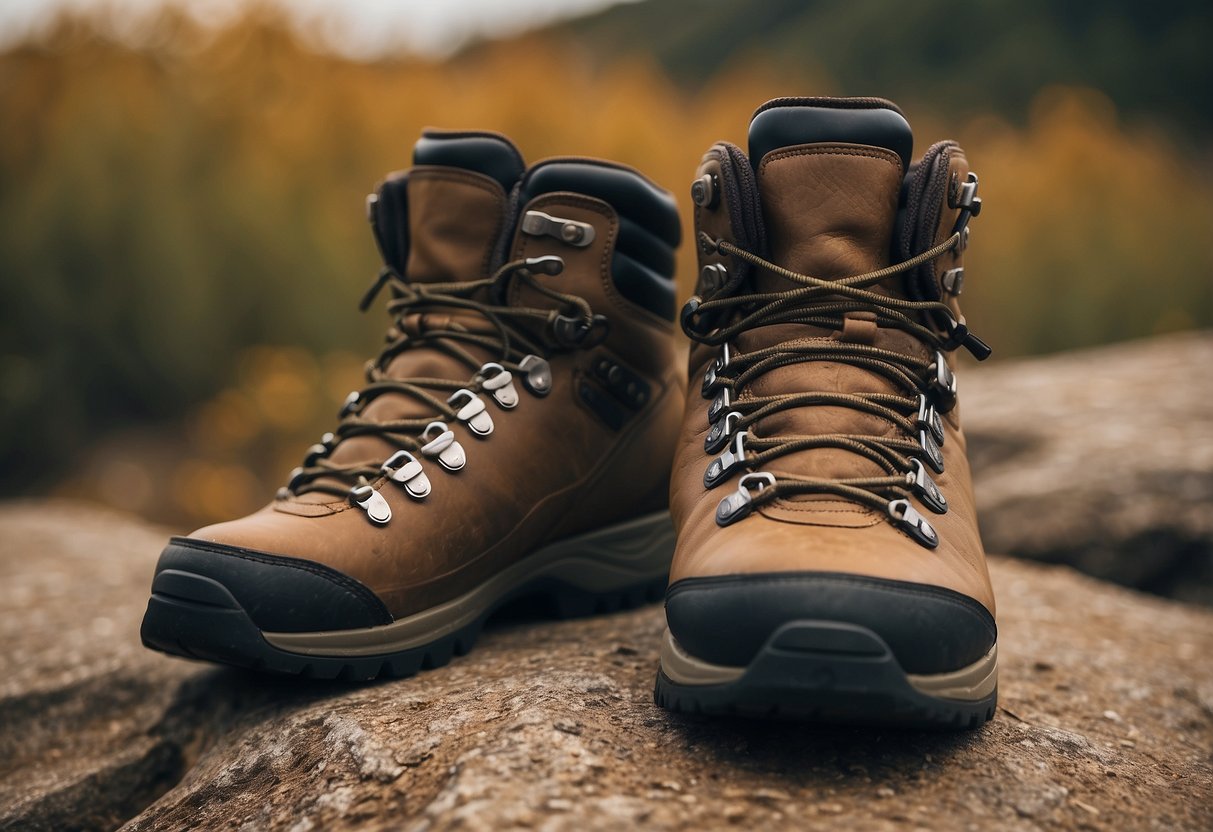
(787, 505)
(833, 150)
(355, 590)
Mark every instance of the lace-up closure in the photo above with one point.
(929, 388)
(522, 337)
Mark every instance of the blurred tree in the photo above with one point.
(955, 59)
(174, 214)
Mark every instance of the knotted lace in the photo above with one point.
(518, 332)
(922, 384)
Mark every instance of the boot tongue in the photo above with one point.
(453, 203)
(829, 174)
(457, 198)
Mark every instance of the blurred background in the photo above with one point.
(182, 236)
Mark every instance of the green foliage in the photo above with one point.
(957, 59)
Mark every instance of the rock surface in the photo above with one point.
(1106, 722)
(1101, 459)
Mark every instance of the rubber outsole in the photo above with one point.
(198, 628)
(825, 671)
(617, 567)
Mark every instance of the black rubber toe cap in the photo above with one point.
(280, 594)
(727, 619)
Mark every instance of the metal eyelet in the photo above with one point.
(473, 412)
(740, 503)
(713, 277)
(500, 383)
(570, 331)
(705, 191)
(711, 376)
(444, 446)
(931, 451)
(928, 418)
(943, 383)
(320, 450)
(373, 503)
(718, 436)
(907, 518)
(404, 468)
(353, 404)
(925, 488)
(537, 375)
(719, 405)
(953, 281)
(539, 224)
(730, 459)
(294, 478)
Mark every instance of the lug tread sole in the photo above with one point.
(195, 629)
(865, 687)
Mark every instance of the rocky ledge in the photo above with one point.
(1101, 459)
(1106, 722)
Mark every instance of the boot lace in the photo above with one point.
(523, 339)
(925, 388)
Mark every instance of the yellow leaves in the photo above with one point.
(167, 210)
(1092, 232)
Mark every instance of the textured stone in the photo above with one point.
(1100, 459)
(1106, 722)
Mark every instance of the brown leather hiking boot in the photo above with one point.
(828, 562)
(513, 439)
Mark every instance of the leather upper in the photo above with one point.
(829, 209)
(552, 467)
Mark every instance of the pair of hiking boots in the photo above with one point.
(528, 430)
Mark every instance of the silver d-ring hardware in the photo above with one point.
(320, 450)
(537, 375)
(740, 503)
(539, 224)
(943, 383)
(444, 446)
(907, 518)
(730, 459)
(930, 451)
(404, 468)
(710, 377)
(373, 503)
(500, 383)
(719, 405)
(718, 436)
(928, 418)
(953, 280)
(353, 404)
(925, 488)
(473, 411)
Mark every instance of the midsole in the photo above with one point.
(969, 684)
(612, 558)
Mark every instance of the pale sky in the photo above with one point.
(362, 28)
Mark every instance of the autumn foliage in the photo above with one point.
(182, 241)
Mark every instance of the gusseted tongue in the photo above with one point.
(441, 221)
(438, 222)
(829, 173)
